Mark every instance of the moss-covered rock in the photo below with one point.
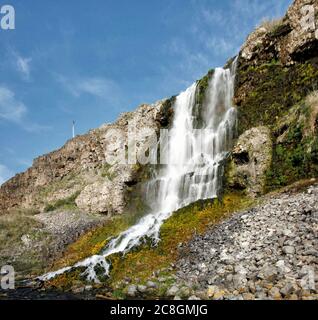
(277, 70)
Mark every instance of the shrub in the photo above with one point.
(67, 203)
(271, 25)
(312, 102)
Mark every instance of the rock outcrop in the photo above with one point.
(79, 173)
(277, 73)
(251, 158)
(291, 39)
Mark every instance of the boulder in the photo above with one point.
(251, 157)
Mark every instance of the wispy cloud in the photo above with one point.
(10, 108)
(5, 173)
(15, 111)
(214, 34)
(101, 88)
(22, 64)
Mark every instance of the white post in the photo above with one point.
(73, 129)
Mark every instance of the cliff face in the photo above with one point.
(78, 173)
(276, 85)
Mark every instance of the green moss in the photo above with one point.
(26, 260)
(143, 261)
(295, 153)
(67, 203)
(271, 89)
(274, 95)
(202, 86)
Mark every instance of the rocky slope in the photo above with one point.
(269, 251)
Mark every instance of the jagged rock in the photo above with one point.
(290, 38)
(251, 157)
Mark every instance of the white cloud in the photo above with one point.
(5, 174)
(213, 17)
(23, 65)
(102, 88)
(13, 110)
(10, 108)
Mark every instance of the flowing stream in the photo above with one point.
(200, 139)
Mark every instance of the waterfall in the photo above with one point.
(194, 168)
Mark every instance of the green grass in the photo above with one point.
(67, 203)
(13, 226)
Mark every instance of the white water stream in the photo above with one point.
(194, 170)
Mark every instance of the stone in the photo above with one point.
(268, 273)
(248, 296)
(287, 289)
(275, 293)
(172, 291)
(88, 288)
(251, 158)
(239, 281)
(151, 284)
(212, 290)
(289, 250)
(194, 298)
(26, 240)
(132, 291)
(142, 289)
(219, 295)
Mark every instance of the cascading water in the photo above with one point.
(201, 137)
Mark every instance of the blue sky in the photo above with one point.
(92, 60)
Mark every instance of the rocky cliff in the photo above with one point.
(78, 175)
(276, 85)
